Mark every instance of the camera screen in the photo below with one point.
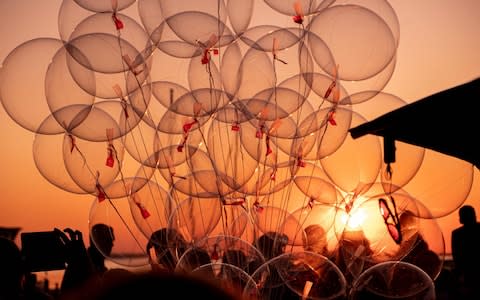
(43, 251)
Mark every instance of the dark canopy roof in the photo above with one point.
(447, 122)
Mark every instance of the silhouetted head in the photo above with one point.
(102, 236)
(316, 239)
(467, 215)
(167, 237)
(195, 257)
(272, 244)
(169, 244)
(409, 225)
(196, 261)
(101, 245)
(236, 258)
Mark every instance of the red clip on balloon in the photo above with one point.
(298, 18)
(188, 126)
(331, 118)
(100, 195)
(269, 149)
(110, 161)
(118, 23)
(143, 211)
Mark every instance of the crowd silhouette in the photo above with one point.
(184, 271)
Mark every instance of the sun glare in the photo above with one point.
(354, 220)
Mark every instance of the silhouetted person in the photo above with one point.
(82, 263)
(353, 254)
(466, 251)
(101, 244)
(414, 249)
(169, 245)
(192, 261)
(236, 258)
(316, 240)
(393, 280)
(272, 244)
(11, 270)
(79, 266)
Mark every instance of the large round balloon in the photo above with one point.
(195, 217)
(27, 65)
(114, 233)
(302, 274)
(232, 250)
(393, 279)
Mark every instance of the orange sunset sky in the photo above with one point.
(439, 47)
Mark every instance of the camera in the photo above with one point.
(43, 251)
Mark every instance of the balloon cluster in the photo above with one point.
(227, 121)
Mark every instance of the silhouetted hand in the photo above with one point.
(74, 245)
(79, 267)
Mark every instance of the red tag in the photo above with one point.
(188, 126)
(205, 58)
(273, 175)
(329, 90)
(269, 150)
(233, 201)
(331, 120)
(144, 212)
(100, 196)
(110, 161)
(117, 21)
(267, 141)
(301, 163)
(258, 208)
(298, 19)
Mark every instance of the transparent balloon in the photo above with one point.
(301, 274)
(393, 280)
(114, 233)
